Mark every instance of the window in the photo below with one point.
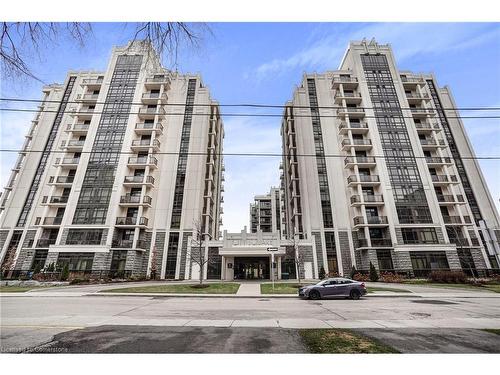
(84, 237)
(419, 235)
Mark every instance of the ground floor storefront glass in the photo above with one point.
(424, 262)
(251, 268)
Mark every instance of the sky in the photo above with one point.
(262, 63)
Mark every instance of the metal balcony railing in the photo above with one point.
(359, 159)
(149, 126)
(139, 179)
(365, 198)
(363, 178)
(143, 160)
(56, 220)
(132, 220)
(135, 199)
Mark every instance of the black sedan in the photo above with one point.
(334, 287)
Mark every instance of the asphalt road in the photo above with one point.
(34, 321)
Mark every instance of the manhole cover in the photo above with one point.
(434, 302)
(423, 315)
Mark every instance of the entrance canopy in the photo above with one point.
(246, 251)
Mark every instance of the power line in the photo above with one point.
(226, 114)
(256, 154)
(251, 105)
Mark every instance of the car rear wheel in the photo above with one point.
(355, 294)
(314, 294)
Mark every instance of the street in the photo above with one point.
(32, 321)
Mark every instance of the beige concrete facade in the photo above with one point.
(445, 224)
(168, 115)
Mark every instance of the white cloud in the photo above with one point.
(407, 39)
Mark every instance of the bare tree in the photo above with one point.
(154, 261)
(297, 256)
(19, 41)
(197, 254)
(8, 261)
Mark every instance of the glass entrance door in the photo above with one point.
(251, 268)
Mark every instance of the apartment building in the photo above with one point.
(378, 169)
(267, 213)
(117, 169)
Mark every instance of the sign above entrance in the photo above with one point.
(272, 249)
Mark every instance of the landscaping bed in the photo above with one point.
(209, 288)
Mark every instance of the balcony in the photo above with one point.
(452, 219)
(354, 127)
(134, 200)
(446, 199)
(92, 83)
(148, 128)
(72, 145)
(360, 161)
(83, 113)
(138, 181)
(132, 221)
(412, 81)
(375, 199)
(442, 179)
(370, 221)
(437, 161)
(151, 113)
(145, 144)
(352, 112)
(375, 242)
(422, 112)
(67, 162)
(416, 98)
(142, 161)
(432, 143)
(78, 128)
(350, 98)
(358, 144)
(152, 98)
(367, 180)
(51, 221)
(61, 180)
(87, 98)
(347, 82)
(55, 200)
(425, 127)
(122, 244)
(157, 81)
(45, 242)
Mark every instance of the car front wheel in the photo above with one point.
(355, 294)
(314, 294)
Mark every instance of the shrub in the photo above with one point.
(78, 281)
(389, 277)
(322, 273)
(373, 273)
(65, 273)
(353, 272)
(447, 277)
(361, 277)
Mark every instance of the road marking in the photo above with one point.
(40, 327)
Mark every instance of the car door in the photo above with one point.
(330, 288)
(344, 288)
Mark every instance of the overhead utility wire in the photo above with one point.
(252, 105)
(222, 115)
(263, 154)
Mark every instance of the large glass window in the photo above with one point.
(410, 200)
(98, 182)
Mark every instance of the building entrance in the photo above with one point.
(251, 268)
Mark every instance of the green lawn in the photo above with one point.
(211, 288)
(322, 341)
(279, 288)
(491, 330)
(372, 289)
(490, 287)
(16, 289)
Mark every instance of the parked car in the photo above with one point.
(334, 287)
